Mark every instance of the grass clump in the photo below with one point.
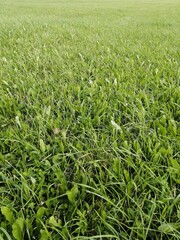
(89, 120)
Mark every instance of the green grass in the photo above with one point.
(90, 119)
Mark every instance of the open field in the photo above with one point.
(90, 119)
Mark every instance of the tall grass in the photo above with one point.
(89, 120)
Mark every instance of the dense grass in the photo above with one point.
(89, 119)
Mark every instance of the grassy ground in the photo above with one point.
(89, 119)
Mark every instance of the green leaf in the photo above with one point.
(42, 145)
(175, 164)
(17, 121)
(72, 194)
(53, 222)
(48, 110)
(8, 214)
(166, 228)
(40, 212)
(61, 145)
(127, 176)
(115, 125)
(116, 166)
(18, 229)
(44, 235)
(178, 214)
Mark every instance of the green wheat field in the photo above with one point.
(89, 119)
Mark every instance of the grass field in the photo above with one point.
(90, 119)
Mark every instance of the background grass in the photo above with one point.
(89, 119)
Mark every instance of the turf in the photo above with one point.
(89, 119)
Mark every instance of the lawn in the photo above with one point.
(89, 119)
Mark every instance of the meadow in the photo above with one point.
(90, 119)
